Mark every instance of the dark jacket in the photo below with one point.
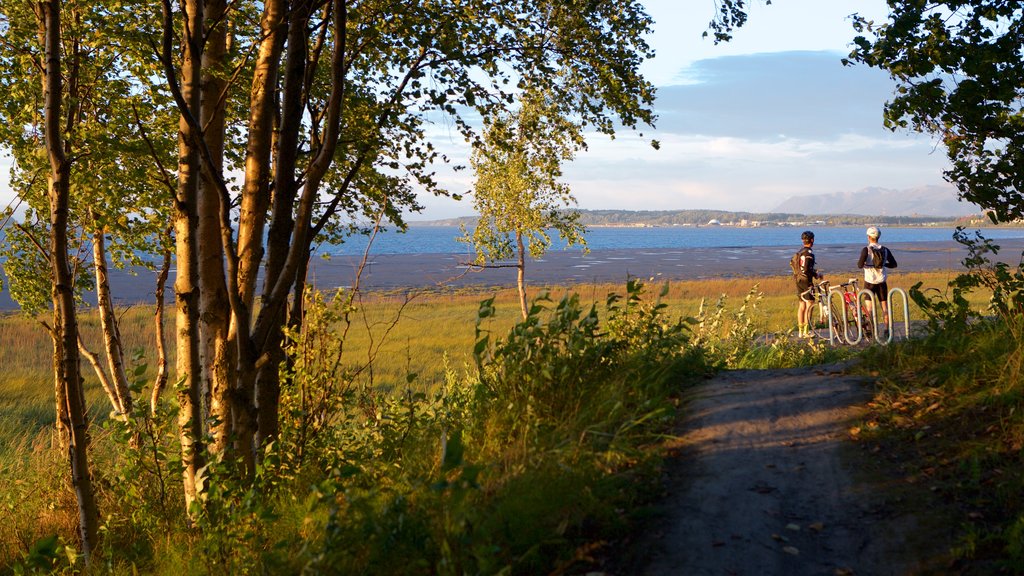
(807, 270)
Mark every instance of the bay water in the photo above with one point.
(421, 239)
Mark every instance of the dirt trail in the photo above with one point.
(760, 488)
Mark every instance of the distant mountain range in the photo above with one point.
(930, 201)
(645, 218)
(925, 205)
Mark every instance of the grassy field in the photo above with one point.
(391, 335)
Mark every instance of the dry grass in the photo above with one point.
(393, 334)
(397, 334)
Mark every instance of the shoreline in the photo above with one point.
(389, 272)
(396, 271)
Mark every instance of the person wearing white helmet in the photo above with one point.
(874, 259)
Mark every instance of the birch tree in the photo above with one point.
(517, 194)
(68, 378)
(353, 84)
(324, 110)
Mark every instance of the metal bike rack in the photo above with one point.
(828, 317)
(906, 315)
(861, 294)
(833, 332)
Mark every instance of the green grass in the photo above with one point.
(490, 507)
(948, 419)
(394, 334)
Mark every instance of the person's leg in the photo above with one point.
(869, 303)
(883, 297)
(801, 314)
(808, 309)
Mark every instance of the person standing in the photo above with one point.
(805, 272)
(874, 259)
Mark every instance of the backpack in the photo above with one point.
(794, 263)
(876, 257)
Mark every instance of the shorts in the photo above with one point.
(805, 290)
(881, 291)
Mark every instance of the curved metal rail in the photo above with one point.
(846, 333)
(906, 317)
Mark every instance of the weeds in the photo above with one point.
(950, 409)
(526, 457)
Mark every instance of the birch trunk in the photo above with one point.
(101, 375)
(255, 202)
(186, 288)
(271, 318)
(256, 188)
(108, 325)
(521, 272)
(216, 354)
(65, 322)
(160, 381)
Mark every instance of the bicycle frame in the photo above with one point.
(853, 302)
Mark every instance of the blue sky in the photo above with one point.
(747, 124)
(743, 125)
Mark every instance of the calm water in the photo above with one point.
(442, 239)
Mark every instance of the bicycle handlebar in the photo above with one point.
(826, 284)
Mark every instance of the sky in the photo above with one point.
(743, 125)
(747, 124)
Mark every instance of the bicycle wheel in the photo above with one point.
(869, 331)
(837, 321)
(850, 328)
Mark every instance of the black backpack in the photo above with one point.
(876, 257)
(794, 263)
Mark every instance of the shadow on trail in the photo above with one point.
(760, 486)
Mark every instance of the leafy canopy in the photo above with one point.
(517, 192)
(960, 75)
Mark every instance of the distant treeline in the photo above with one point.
(700, 217)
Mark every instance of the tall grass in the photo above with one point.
(950, 409)
(467, 440)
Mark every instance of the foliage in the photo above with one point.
(949, 409)
(729, 15)
(137, 483)
(787, 352)
(741, 339)
(547, 368)
(953, 310)
(477, 475)
(1006, 285)
(480, 476)
(727, 341)
(113, 181)
(949, 406)
(960, 77)
(517, 193)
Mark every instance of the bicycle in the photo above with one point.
(827, 309)
(857, 317)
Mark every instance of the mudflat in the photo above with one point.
(837, 262)
(568, 267)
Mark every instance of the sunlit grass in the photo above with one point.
(392, 335)
(406, 333)
(949, 409)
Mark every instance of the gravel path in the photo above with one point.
(760, 487)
